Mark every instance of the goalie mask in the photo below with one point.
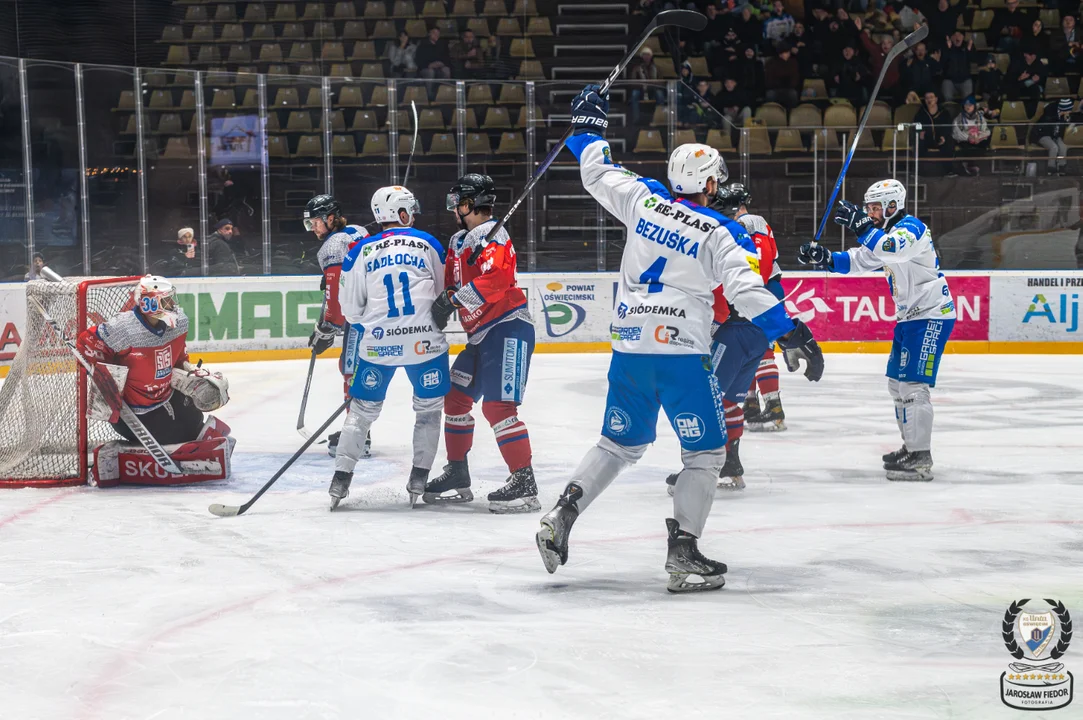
(156, 299)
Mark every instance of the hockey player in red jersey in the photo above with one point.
(144, 351)
(324, 219)
(493, 368)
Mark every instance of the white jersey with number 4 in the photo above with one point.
(389, 283)
(675, 255)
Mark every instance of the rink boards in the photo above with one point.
(264, 318)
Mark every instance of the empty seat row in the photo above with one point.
(367, 9)
(354, 30)
(300, 52)
(374, 145)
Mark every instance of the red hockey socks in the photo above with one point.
(735, 420)
(767, 373)
(511, 434)
(458, 425)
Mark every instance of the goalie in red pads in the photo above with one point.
(144, 351)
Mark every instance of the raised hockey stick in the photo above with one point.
(686, 19)
(413, 145)
(231, 510)
(109, 389)
(308, 381)
(907, 42)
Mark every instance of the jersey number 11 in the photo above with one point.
(407, 304)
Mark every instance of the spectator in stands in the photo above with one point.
(710, 38)
(877, 56)
(645, 69)
(836, 35)
(750, 75)
(1026, 78)
(467, 58)
(734, 102)
(778, 25)
(37, 262)
(749, 29)
(1064, 48)
(220, 257)
(920, 71)
(943, 21)
(955, 62)
(1039, 38)
(935, 131)
(182, 260)
(703, 110)
(991, 83)
(433, 57)
(1009, 26)
(782, 77)
(851, 78)
(971, 134)
(806, 59)
(726, 55)
(1049, 133)
(403, 57)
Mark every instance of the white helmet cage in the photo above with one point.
(691, 165)
(156, 298)
(890, 193)
(387, 201)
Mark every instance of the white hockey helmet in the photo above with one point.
(156, 298)
(387, 201)
(890, 193)
(691, 165)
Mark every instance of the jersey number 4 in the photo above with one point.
(652, 276)
(407, 304)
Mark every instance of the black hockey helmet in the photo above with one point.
(729, 198)
(319, 207)
(472, 186)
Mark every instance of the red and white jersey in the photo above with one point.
(332, 253)
(764, 237)
(150, 354)
(487, 292)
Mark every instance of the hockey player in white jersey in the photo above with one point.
(900, 244)
(323, 218)
(388, 285)
(677, 252)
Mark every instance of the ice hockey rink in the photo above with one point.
(847, 596)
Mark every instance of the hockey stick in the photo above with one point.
(907, 42)
(308, 381)
(231, 510)
(413, 144)
(687, 19)
(109, 389)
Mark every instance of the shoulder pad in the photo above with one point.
(333, 250)
(477, 236)
(912, 225)
(754, 223)
(656, 187)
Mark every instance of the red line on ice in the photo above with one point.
(34, 508)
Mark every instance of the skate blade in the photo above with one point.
(547, 549)
(334, 503)
(332, 451)
(774, 426)
(519, 505)
(910, 475)
(735, 484)
(413, 499)
(464, 495)
(671, 489)
(679, 583)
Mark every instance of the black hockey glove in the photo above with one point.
(800, 345)
(590, 111)
(322, 337)
(851, 216)
(444, 307)
(816, 255)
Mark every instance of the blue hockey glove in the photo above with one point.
(444, 307)
(800, 345)
(849, 215)
(816, 255)
(590, 111)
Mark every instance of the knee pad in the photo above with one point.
(914, 393)
(497, 411)
(457, 402)
(365, 409)
(711, 460)
(428, 405)
(626, 453)
(893, 388)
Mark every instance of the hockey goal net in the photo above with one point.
(45, 436)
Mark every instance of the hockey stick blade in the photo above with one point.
(907, 42)
(686, 19)
(232, 510)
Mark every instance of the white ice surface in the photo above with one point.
(847, 597)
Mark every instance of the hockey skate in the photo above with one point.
(893, 457)
(519, 494)
(340, 487)
(912, 467)
(772, 419)
(752, 406)
(685, 560)
(556, 526)
(332, 445)
(415, 486)
(456, 479)
(731, 476)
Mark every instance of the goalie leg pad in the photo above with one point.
(119, 463)
(213, 428)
